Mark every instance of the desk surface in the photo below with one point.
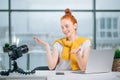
(62, 75)
(69, 75)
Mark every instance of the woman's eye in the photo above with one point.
(66, 26)
(62, 27)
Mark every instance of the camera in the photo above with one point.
(15, 52)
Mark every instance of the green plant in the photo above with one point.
(5, 47)
(117, 54)
(6, 44)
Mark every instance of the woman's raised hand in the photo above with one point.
(76, 50)
(40, 41)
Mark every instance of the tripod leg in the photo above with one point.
(15, 66)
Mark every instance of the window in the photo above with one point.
(3, 4)
(3, 29)
(108, 23)
(115, 23)
(102, 23)
(51, 4)
(115, 34)
(110, 30)
(109, 34)
(102, 34)
(4, 60)
(108, 4)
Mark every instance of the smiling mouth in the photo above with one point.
(66, 33)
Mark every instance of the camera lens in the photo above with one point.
(24, 48)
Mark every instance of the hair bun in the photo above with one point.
(67, 11)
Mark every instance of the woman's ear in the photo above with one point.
(75, 25)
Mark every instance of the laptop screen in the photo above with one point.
(100, 61)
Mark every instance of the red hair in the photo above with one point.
(68, 15)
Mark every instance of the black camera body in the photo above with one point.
(15, 52)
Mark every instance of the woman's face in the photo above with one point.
(68, 28)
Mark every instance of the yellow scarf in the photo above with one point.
(67, 47)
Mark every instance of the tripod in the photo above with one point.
(15, 69)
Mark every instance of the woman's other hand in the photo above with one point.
(76, 50)
(40, 41)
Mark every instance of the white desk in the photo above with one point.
(68, 75)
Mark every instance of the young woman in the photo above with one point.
(70, 52)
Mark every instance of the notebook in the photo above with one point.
(99, 61)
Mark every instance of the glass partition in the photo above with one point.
(51, 4)
(3, 4)
(108, 4)
(4, 60)
(108, 29)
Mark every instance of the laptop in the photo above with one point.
(99, 61)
